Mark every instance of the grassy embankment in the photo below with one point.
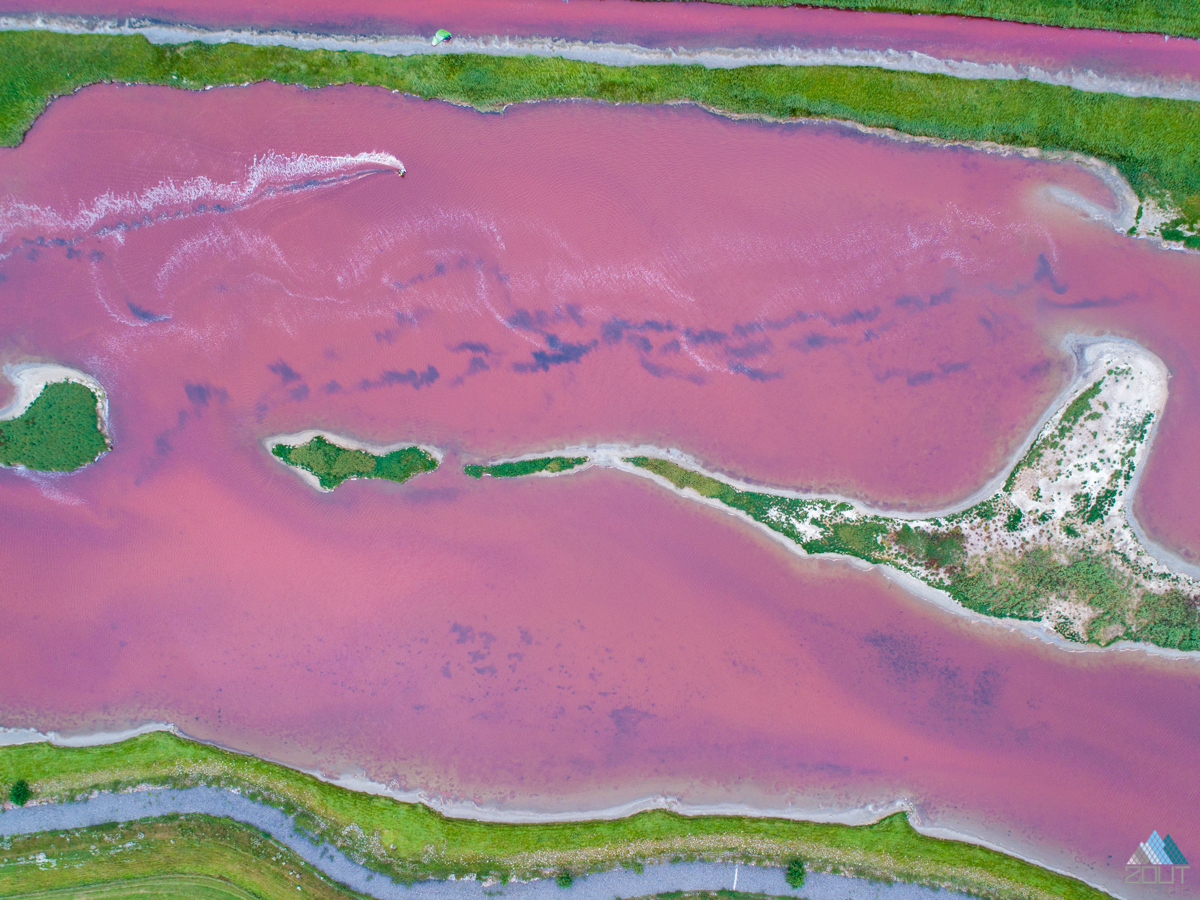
(1008, 587)
(175, 857)
(332, 464)
(411, 842)
(1177, 17)
(59, 432)
(547, 464)
(1151, 141)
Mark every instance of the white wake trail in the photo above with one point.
(266, 176)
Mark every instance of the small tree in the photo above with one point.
(20, 793)
(565, 879)
(795, 873)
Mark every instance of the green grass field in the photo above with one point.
(1151, 141)
(1180, 17)
(333, 464)
(172, 858)
(412, 842)
(59, 432)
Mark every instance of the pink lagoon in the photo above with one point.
(867, 317)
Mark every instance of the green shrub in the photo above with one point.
(20, 792)
(795, 873)
(565, 879)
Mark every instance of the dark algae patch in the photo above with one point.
(1151, 141)
(411, 842)
(548, 464)
(59, 432)
(333, 464)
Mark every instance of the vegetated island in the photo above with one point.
(327, 461)
(412, 842)
(1054, 544)
(1150, 141)
(56, 421)
(543, 465)
(1176, 17)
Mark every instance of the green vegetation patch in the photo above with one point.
(333, 464)
(1181, 17)
(59, 432)
(20, 792)
(1021, 589)
(1169, 620)
(1150, 140)
(1074, 412)
(859, 536)
(935, 549)
(173, 858)
(410, 841)
(547, 464)
(795, 873)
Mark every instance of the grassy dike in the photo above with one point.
(412, 842)
(1176, 17)
(1151, 141)
(171, 858)
(58, 432)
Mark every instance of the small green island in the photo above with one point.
(548, 465)
(331, 464)
(60, 431)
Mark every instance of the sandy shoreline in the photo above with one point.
(618, 54)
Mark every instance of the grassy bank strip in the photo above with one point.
(58, 432)
(411, 842)
(1151, 141)
(332, 464)
(1175, 17)
(547, 464)
(176, 857)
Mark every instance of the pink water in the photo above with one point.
(692, 25)
(799, 305)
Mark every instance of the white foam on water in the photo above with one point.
(266, 175)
